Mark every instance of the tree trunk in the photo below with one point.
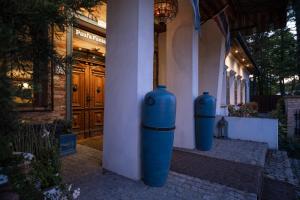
(281, 86)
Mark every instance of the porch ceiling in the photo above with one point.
(248, 16)
(241, 52)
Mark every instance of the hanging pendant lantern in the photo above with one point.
(165, 10)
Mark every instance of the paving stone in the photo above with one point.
(96, 185)
(278, 167)
(295, 163)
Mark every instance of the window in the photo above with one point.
(32, 75)
(33, 88)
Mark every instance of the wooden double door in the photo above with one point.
(88, 100)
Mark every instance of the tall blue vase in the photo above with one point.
(158, 121)
(205, 114)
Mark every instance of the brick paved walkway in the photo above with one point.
(111, 186)
(85, 162)
(82, 169)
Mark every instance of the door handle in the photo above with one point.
(98, 90)
(88, 98)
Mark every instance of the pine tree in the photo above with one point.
(275, 55)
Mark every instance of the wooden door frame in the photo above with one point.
(69, 71)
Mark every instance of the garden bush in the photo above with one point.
(243, 110)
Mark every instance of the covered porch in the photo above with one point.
(189, 63)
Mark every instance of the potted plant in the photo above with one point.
(67, 139)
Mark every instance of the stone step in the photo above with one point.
(278, 167)
(278, 190)
(241, 151)
(232, 174)
(189, 187)
(234, 163)
(279, 180)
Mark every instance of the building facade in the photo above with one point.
(112, 68)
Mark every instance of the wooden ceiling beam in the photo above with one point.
(258, 15)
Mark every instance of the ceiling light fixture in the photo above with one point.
(165, 10)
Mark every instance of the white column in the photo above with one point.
(182, 71)
(244, 85)
(239, 86)
(247, 88)
(223, 106)
(224, 86)
(211, 61)
(231, 86)
(129, 76)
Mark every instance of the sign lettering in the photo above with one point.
(89, 36)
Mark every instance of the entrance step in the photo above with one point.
(240, 151)
(188, 187)
(278, 167)
(233, 163)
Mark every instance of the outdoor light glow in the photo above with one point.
(248, 65)
(236, 51)
(25, 85)
(165, 10)
(243, 59)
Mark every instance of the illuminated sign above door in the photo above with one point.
(87, 36)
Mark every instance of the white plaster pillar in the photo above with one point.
(182, 71)
(239, 88)
(129, 76)
(244, 90)
(232, 87)
(224, 86)
(211, 61)
(247, 90)
(223, 106)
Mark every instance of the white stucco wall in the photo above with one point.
(129, 76)
(211, 61)
(253, 129)
(240, 70)
(182, 71)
